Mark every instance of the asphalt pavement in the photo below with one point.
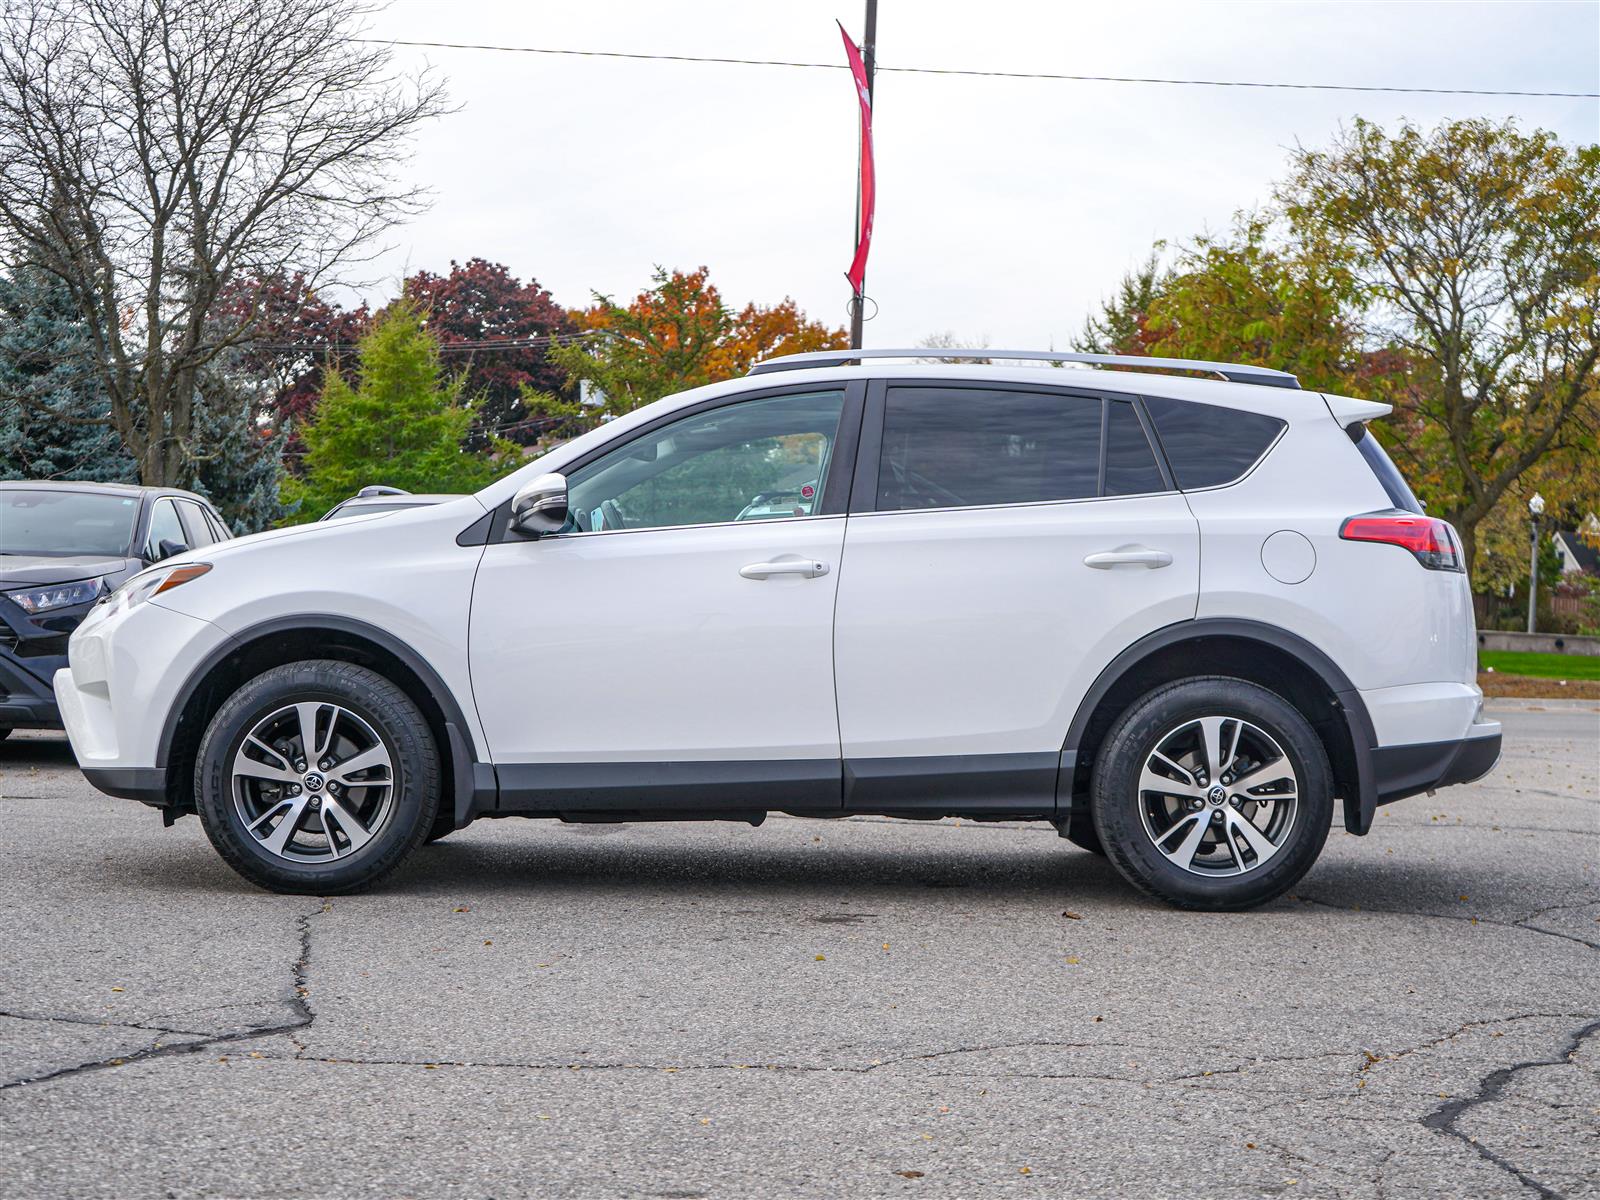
(864, 1007)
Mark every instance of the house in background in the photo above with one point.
(1577, 548)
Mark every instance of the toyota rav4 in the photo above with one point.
(1179, 618)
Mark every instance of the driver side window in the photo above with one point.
(758, 460)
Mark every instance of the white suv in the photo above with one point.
(1175, 617)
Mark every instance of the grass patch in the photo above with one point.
(1544, 666)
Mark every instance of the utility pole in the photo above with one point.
(869, 57)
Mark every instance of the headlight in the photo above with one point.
(150, 583)
(58, 595)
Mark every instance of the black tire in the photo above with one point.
(443, 826)
(1119, 806)
(388, 712)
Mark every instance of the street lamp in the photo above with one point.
(1536, 508)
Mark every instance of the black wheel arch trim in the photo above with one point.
(1358, 808)
(455, 720)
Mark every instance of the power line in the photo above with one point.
(821, 66)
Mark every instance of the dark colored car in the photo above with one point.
(62, 547)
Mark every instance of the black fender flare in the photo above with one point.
(333, 622)
(1358, 808)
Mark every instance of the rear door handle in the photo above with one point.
(1129, 556)
(810, 568)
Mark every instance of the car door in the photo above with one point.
(672, 647)
(1005, 543)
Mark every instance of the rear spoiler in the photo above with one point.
(1349, 411)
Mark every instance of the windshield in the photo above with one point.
(53, 522)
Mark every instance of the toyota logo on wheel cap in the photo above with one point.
(313, 782)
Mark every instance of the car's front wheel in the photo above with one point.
(317, 777)
(1213, 793)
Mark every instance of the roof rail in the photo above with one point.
(1233, 372)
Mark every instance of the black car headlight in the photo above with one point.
(34, 601)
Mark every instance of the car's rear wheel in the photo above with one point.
(1213, 793)
(317, 777)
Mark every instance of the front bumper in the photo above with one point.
(26, 699)
(148, 785)
(121, 689)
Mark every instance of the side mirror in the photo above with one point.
(541, 506)
(167, 548)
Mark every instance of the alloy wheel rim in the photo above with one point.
(313, 782)
(1218, 796)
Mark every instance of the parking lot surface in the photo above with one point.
(855, 1008)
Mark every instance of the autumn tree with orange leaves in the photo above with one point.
(675, 335)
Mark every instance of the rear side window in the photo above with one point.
(194, 524)
(966, 447)
(1394, 484)
(219, 531)
(1207, 445)
(1130, 463)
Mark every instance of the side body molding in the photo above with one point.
(1360, 800)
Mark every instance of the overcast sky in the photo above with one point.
(1007, 208)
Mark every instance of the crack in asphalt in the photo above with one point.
(62, 1019)
(1491, 1088)
(1474, 919)
(159, 1049)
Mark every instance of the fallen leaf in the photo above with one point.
(462, 908)
(116, 989)
(1072, 960)
(822, 958)
(909, 1174)
(1072, 916)
(1024, 1170)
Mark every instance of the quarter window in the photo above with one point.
(962, 447)
(1208, 445)
(759, 460)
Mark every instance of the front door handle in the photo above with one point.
(1129, 556)
(809, 567)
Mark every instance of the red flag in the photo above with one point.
(858, 266)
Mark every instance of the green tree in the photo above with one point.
(1254, 298)
(1475, 249)
(402, 423)
(1119, 327)
(238, 464)
(659, 344)
(54, 420)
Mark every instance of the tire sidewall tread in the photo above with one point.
(377, 700)
(1115, 801)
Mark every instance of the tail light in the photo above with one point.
(1430, 540)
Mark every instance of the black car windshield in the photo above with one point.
(47, 521)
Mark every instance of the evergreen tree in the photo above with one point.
(54, 422)
(237, 454)
(403, 423)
